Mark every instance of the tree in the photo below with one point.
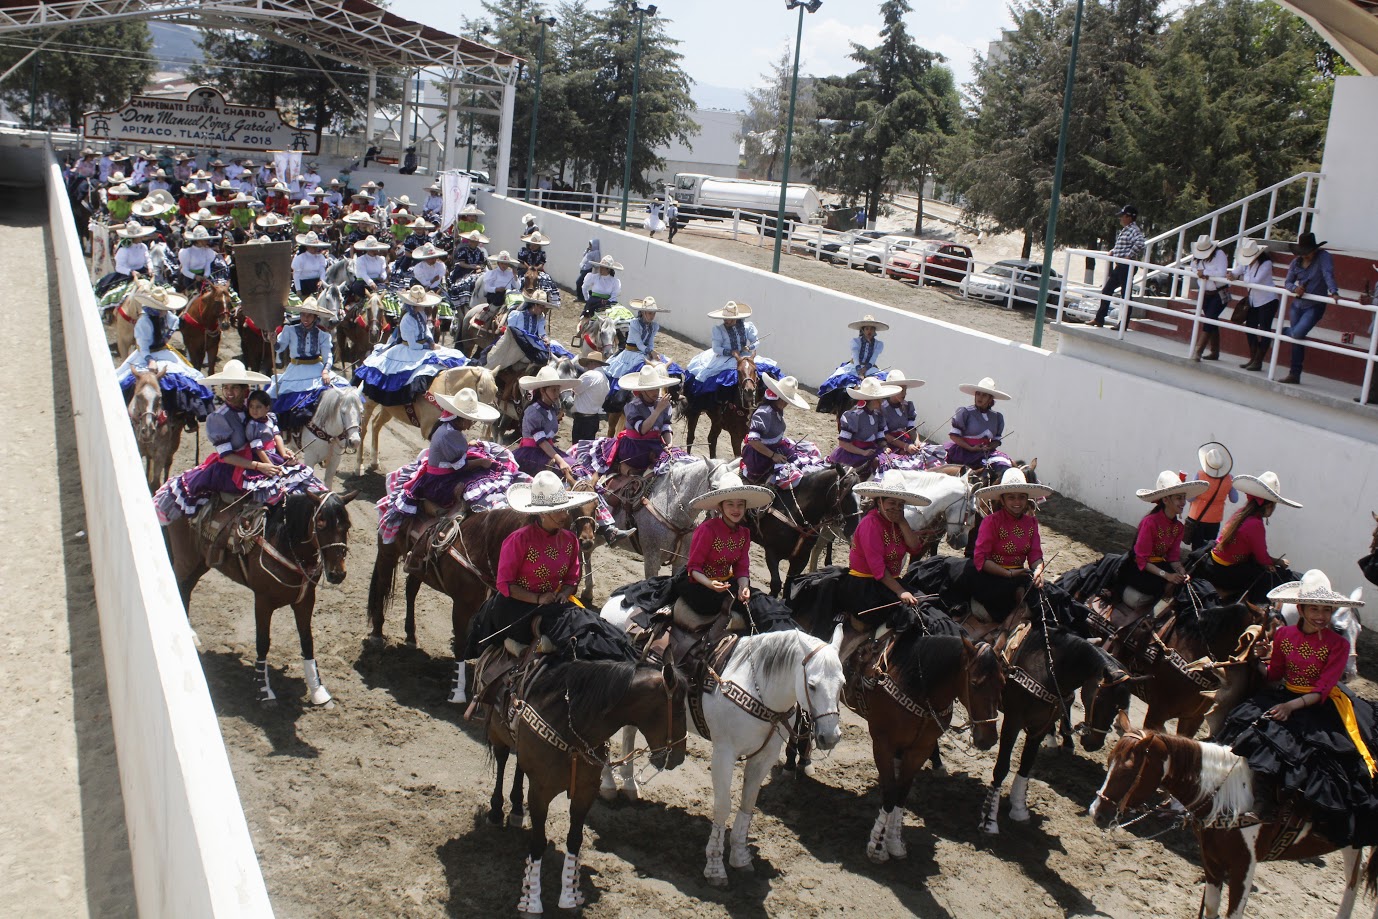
(88, 68)
(767, 119)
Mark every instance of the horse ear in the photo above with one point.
(1033, 463)
(667, 671)
(1122, 722)
(349, 496)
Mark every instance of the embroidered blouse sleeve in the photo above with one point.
(510, 560)
(1334, 664)
(1035, 543)
(1277, 662)
(985, 541)
(699, 544)
(571, 545)
(1143, 541)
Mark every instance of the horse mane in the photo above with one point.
(333, 397)
(926, 662)
(774, 653)
(290, 521)
(1206, 624)
(1076, 652)
(593, 688)
(1222, 776)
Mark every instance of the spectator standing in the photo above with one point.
(1312, 273)
(1253, 265)
(1206, 511)
(1128, 244)
(1211, 268)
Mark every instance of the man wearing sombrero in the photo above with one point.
(1310, 277)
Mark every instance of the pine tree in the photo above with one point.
(87, 68)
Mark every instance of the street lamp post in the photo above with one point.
(536, 103)
(1050, 234)
(641, 14)
(469, 156)
(812, 6)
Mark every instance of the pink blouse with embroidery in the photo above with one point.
(1316, 660)
(878, 547)
(720, 551)
(1009, 541)
(539, 561)
(1159, 540)
(1249, 541)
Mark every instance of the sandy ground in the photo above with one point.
(63, 845)
(375, 807)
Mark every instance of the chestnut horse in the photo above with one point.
(304, 537)
(202, 322)
(158, 434)
(733, 415)
(255, 348)
(1216, 786)
(359, 330)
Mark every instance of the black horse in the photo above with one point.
(789, 528)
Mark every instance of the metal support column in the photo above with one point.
(372, 106)
(451, 123)
(406, 111)
(509, 106)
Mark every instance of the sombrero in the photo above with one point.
(649, 377)
(786, 389)
(370, 243)
(1203, 246)
(1215, 458)
(310, 307)
(539, 297)
(235, 374)
(115, 178)
(1170, 483)
(202, 235)
(732, 310)
(871, 388)
(1013, 482)
(1265, 487)
(404, 202)
(733, 489)
(593, 357)
(359, 217)
(535, 238)
(421, 223)
(608, 262)
(312, 241)
(147, 208)
(402, 216)
(870, 320)
(470, 210)
(1248, 252)
(319, 192)
(546, 494)
(270, 221)
(428, 251)
(647, 305)
(121, 191)
(161, 197)
(475, 237)
(546, 376)
(134, 230)
(504, 258)
(466, 404)
(1312, 590)
(987, 386)
(897, 378)
(416, 295)
(889, 486)
(305, 206)
(158, 298)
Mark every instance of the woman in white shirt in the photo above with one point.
(1252, 265)
(308, 267)
(1209, 264)
(131, 256)
(370, 265)
(499, 279)
(428, 267)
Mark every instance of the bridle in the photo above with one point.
(311, 570)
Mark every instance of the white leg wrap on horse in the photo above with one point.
(315, 690)
(265, 688)
(714, 869)
(630, 789)
(457, 694)
(740, 856)
(607, 787)
(1019, 799)
(1211, 903)
(570, 897)
(894, 833)
(531, 888)
(990, 811)
(875, 846)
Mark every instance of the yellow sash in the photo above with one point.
(859, 574)
(1219, 560)
(1346, 710)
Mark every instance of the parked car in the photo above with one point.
(1020, 275)
(942, 262)
(885, 247)
(831, 245)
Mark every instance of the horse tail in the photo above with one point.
(381, 587)
(1371, 872)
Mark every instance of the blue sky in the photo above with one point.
(729, 43)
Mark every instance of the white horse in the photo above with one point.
(1346, 622)
(777, 672)
(334, 430)
(665, 525)
(952, 498)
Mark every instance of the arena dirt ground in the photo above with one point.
(375, 807)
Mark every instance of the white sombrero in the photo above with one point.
(134, 230)
(309, 307)
(1215, 458)
(421, 223)
(546, 494)
(1313, 589)
(426, 251)
(593, 357)
(870, 320)
(733, 310)
(647, 305)
(272, 221)
(889, 486)
(504, 258)
(987, 386)
(121, 191)
(1203, 246)
(158, 298)
(147, 208)
(546, 376)
(305, 206)
(470, 210)
(649, 377)
(475, 237)
(733, 489)
(1265, 487)
(1170, 483)
(1248, 252)
(312, 241)
(786, 389)
(359, 217)
(609, 263)
(897, 378)
(466, 404)
(1013, 482)
(202, 235)
(235, 374)
(538, 297)
(160, 197)
(416, 295)
(404, 202)
(535, 238)
(871, 388)
(371, 243)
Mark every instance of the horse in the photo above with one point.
(465, 570)
(1216, 786)
(333, 431)
(303, 537)
(255, 346)
(789, 528)
(510, 399)
(125, 320)
(747, 717)
(157, 434)
(662, 516)
(421, 412)
(560, 733)
(1041, 676)
(360, 328)
(733, 415)
(202, 322)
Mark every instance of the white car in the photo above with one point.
(873, 253)
(1014, 282)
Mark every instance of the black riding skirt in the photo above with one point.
(999, 595)
(859, 595)
(502, 614)
(1141, 579)
(705, 601)
(1247, 575)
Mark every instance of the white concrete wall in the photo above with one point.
(1348, 197)
(1099, 433)
(192, 855)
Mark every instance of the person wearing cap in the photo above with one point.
(183, 389)
(440, 481)
(977, 428)
(1254, 265)
(769, 457)
(717, 576)
(590, 390)
(871, 595)
(130, 257)
(469, 256)
(639, 445)
(1156, 559)
(866, 351)
(1211, 268)
(640, 346)
(499, 279)
(861, 429)
(1239, 563)
(1308, 739)
(532, 254)
(1007, 564)
(428, 267)
(1310, 277)
(593, 254)
(1208, 509)
(601, 286)
(308, 352)
(197, 259)
(309, 264)
(672, 218)
(1129, 244)
(902, 447)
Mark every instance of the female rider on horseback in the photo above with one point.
(870, 594)
(533, 254)
(640, 444)
(641, 336)
(976, 428)
(183, 388)
(1008, 559)
(131, 256)
(1156, 560)
(309, 352)
(196, 260)
(903, 449)
(1239, 562)
(861, 429)
(771, 457)
(866, 351)
(713, 372)
(720, 552)
(600, 288)
(404, 367)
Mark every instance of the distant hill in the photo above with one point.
(175, 47)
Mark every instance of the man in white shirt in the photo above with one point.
(589, 392)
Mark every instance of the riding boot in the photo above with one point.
(1213, 339)
(612, 535)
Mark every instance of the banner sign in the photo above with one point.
(202, 119)
(454, 194)
(265, 278)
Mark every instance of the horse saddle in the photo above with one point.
(432, 538)
(498, 672)
(226, 525)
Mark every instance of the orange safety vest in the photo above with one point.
(1210, 507)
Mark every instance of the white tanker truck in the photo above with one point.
(715, 198)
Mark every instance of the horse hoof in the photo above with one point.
(372, 467)
(745, 867)
(806, 771)
(877, 854)
(411, 642)
(608, 792)
(714, 881)
(1019, 816)
(375, 641)
(631, 793)
(495, 816)
(990, 829)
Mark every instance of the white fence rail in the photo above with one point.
(190, 845)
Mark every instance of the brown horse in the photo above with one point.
(302, 538)
(732, 415)
(1215, 785)
(466, 571)
(560, 730)
(255, 348)
(158, 434)
(789, 528)
(203, 321)
(422, 412)
(125, 315)
(359, 330)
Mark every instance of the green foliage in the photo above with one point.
(767, 116)
(70, 83)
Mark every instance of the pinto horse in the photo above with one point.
(732, 415)
(304, 537)
(789, 528)
(1216, 786)
(203, 321)
(158, 434)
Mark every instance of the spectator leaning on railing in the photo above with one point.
(1312, 272)
(1253, 265)
(1209, 264)
(1128, 244)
